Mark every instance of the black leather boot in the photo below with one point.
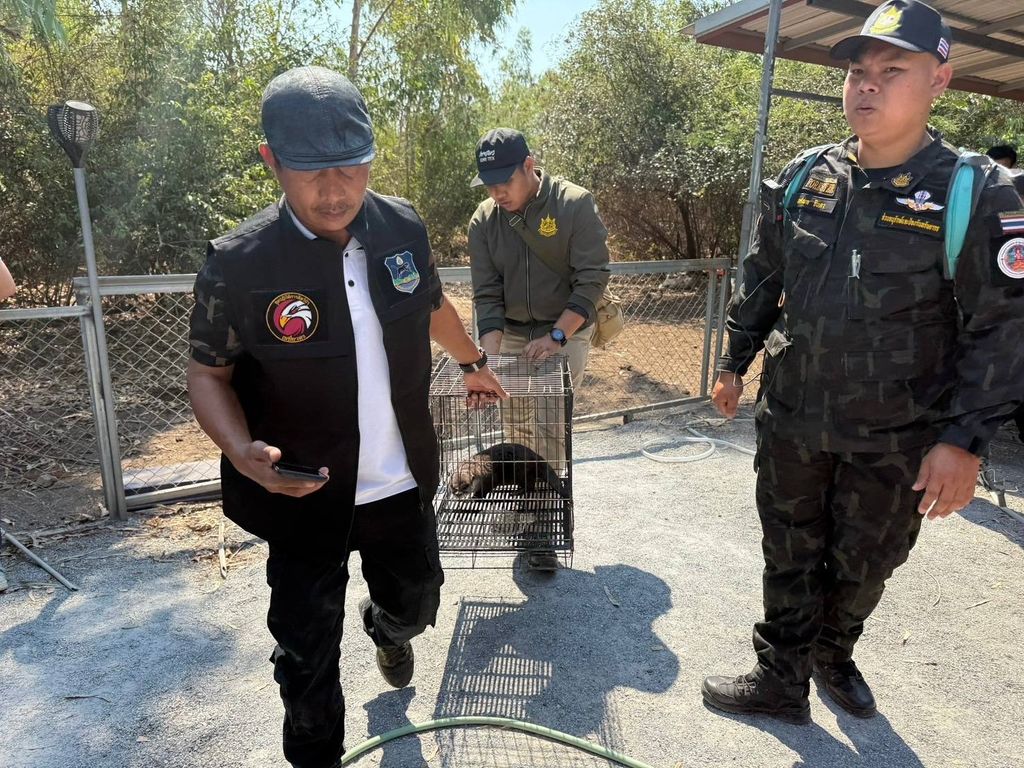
(846, 687)
(757, 693)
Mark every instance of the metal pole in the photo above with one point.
(723, 304)
(5, 536)
(709, 314)
(761, 135)
(99, 410)
(120, 510)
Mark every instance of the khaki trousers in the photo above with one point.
(539, 423)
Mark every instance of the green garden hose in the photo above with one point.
(497, 722)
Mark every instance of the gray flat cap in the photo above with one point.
(315, 118)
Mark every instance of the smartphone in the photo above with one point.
(299, 472)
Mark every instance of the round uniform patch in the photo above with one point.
(1011, 258)
(292, 317)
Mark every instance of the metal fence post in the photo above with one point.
(709, 315)
(723, 303)
(771, 39)
(113, 488)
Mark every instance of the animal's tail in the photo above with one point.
(552, 479)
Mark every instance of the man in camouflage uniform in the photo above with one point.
(883, 377)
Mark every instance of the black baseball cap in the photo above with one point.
(498, 154)
(907, 24)
(315, 118)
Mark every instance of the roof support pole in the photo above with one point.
(771, 38)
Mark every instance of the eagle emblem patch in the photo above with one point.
(292, 317)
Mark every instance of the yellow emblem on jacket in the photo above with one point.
(887, 22)
(548, 227)
(902, 181)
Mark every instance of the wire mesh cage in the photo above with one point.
(506, 469)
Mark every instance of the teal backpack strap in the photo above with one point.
(965, 185)
(808, 159)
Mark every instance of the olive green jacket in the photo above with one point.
(513, 285)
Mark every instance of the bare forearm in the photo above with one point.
(218, 410)
(446, 329)
(491, 342)
(569, 322)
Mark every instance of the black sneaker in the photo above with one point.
(846, 687)
(543, 560)
(396, 663)
(755, 694)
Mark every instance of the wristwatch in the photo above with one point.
(558, 335)
(475, 366)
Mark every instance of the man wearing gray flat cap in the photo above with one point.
(310, 344)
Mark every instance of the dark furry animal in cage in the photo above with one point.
(504, 464)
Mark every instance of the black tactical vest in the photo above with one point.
(297, 379)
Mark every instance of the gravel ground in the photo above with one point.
(158, 662)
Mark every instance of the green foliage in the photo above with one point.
(659, 127)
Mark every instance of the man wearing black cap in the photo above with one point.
(539, 260)
(886, 369)
(311, 345)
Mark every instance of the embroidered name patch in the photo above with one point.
(1011, 258)
(893, 220)
(292, 317)
(825, 186)
(816, 204)
(1011, 222)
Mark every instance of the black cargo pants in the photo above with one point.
(835, 526)
(397, 542)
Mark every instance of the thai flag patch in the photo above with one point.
(1012, 222)
(943, 47)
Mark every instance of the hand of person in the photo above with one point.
(541, 349)
(947, 476)
(484, 388)
(256, 463)
(726, 394)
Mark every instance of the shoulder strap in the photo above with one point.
(539, 246)
(965, 185)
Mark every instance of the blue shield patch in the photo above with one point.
(404, 275)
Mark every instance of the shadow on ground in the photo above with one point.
(552, 659)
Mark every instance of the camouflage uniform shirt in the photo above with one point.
(869, 348)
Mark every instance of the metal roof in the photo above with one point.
(988, 36)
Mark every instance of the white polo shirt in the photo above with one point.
(383, 467)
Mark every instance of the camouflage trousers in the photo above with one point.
(835, 526)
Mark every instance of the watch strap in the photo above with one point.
(474, 366)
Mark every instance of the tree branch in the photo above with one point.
(373, 29)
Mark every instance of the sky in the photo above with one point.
(548, 21)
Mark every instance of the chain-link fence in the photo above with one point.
(50, 404)
(662, 356)
(162, 448)
(49, 454)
